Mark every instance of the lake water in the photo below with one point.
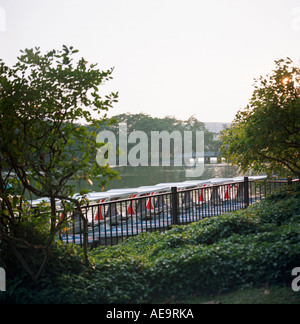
(132, 177)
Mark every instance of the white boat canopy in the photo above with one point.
(198, 183)
(258, 178)
(151, 189)
(161, 187)
(97, 196)
(179, 185)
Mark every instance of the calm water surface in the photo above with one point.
(132, 177)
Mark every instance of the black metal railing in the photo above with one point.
(112, 222)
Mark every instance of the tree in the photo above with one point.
(265, 137)
(148, 124)
(46, 101)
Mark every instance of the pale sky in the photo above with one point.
(171, 57)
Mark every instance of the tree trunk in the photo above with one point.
(85, 234)
(53, 214)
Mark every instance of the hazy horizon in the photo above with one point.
(171, 57)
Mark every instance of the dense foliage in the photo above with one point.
(246, 248)
(265, 137)
(43, 146)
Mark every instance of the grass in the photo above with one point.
(254, 296)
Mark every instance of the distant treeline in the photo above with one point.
(148, 124)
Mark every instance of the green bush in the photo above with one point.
(238, 260)
(240, 249)
(64, 261)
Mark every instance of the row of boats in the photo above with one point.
(96, 197)
(106, 209)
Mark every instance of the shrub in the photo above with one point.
(244, 248)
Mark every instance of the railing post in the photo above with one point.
(174, 206)
(246, 192)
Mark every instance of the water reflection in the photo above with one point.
(133, 177)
